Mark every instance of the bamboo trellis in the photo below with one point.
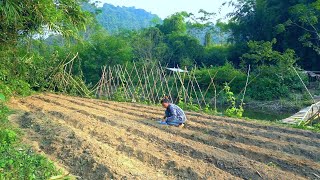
(151, 82)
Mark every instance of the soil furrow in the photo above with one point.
(282, 137)
(91, 112)
(87, 157)
(49, 133)
(284, 161)
(251, 124)
(157, 160)
(230, 133)
(241, 122)
(223, 121)
(270, 134)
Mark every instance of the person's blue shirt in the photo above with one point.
(174, 114)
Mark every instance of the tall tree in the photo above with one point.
(259, 20)
(174, 24)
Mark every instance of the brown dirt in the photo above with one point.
(96, 139)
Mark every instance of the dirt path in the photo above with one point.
(107, 140)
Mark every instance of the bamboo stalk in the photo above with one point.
(203, 99)
(166, 81)
(194, 90)
(146, 82)
(123, 82)
(245, 89)
(139, 79)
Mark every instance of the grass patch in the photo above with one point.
(18, 161)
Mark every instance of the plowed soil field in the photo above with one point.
(95, 139)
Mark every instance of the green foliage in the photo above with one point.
(226, 73)
(21, 163)
(188, 106)
(7, 137)
(16, 160)
(23, 18)
(182, 47)
(233, 110)
(100, 50)
(216, 55)
(295, 24)
(28, 64)
(262, 53)
(116, 19)
(276, 76)
(119, 95)
(305, 125)
(175, 24)
(2, 97)
(148, 45)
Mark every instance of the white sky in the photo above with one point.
(164, 8)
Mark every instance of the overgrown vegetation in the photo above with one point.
(233, 110)
(19, 161)
(26, 65)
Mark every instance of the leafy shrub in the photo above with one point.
(233, 110)
(225, 73)
(119, 95)
(16, 160)
(275, 69)
(7, 137)
(22, 163)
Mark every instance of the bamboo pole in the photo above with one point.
(314, 101)
(245, 88)
(140, 81)
(203, 99)
(146, 82)
(166, 81)
(131, 82)
(176, 86)
(150, 86)
(155, 85)
(214, 87)
(123, 75)
(108, 83)
(194, 89)
(126, 93)
(161, 82)
(102, 82)
(182, 86)
(112, 81)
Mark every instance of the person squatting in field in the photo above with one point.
(174, 115)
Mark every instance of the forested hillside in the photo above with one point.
(115, 18)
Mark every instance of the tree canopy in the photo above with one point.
(26, 18)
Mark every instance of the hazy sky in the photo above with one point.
(164, 8)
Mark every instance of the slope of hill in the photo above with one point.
(116, 18)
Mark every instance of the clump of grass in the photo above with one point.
(18, 161)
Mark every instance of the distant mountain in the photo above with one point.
(116, 18)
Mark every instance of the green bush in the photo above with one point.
(273, 84)
(277, 78)
(119, 95)
(16, 160)
(22, 163)
(225, 73)
(7, 137)
(233, 110)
